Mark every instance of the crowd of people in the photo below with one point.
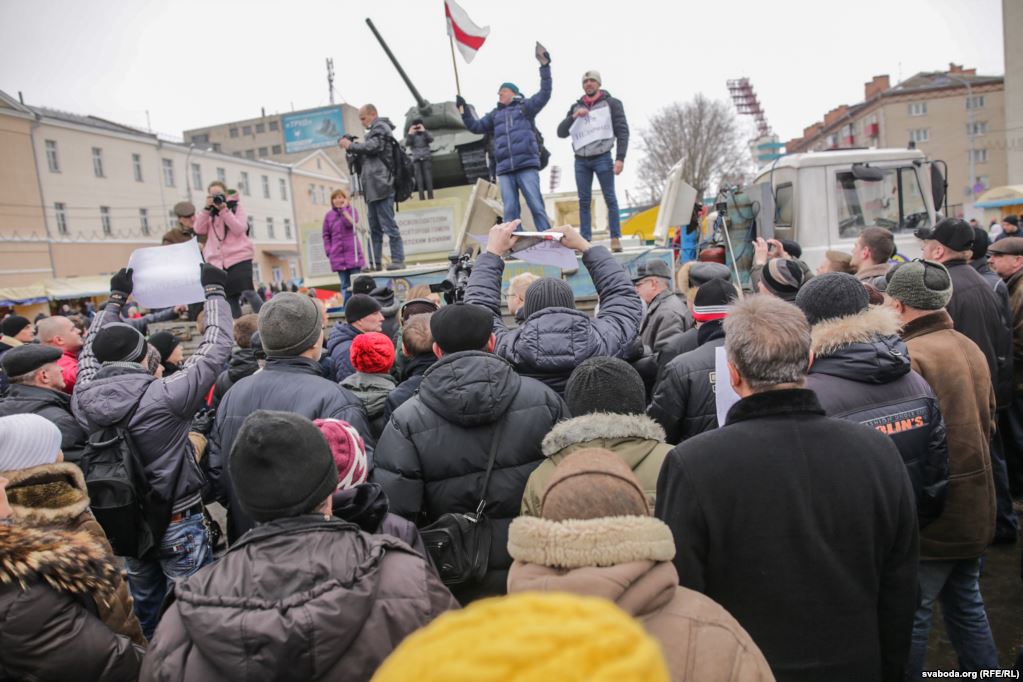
(425, 491)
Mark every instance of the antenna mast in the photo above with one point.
(330, 78)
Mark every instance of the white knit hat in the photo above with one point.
(27, 440)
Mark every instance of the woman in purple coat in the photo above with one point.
(340, 241)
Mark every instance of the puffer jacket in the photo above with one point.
(243, 363)
(227, 236)
(340, 243)
(552, 342)
(55, 495)
(339, 348)
(679, 345)
(861, 372)
(50, 404)
(619, 126)
(377, 177)
(291, 384)
(301, 598)
(367, 507)
(433, 454)
(372, 390)
(159, 411)
(684, 402)
(627, 560)
(413, 371)
(511, 126)
(49, 581)
(636, 438)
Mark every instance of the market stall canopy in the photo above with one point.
(58, 289)
(12, 296)
(998, 197)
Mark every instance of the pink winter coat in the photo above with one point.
(339, 241)
(227, 243)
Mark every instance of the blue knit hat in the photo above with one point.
(511, 86)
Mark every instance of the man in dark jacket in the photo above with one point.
(417, 345)
(667, 317)
(417, 144)
(362, 314)
(1007, 262)
(690, 277)
(516, 147)
(377, 177)
(802, 526)
(433, 454)
(115, 387)
(37, 388)
(15, 331)
(861, 372)
(312, 596)
(291, 335)
(556, 337)
(685, 402)
(596, 122)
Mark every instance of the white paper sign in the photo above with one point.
(544, 252)
(592, 128)
(167, 276)
(724, 395)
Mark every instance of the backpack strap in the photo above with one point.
(494, 444)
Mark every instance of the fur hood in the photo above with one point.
(830, 335)
(600, 425)
(51, 494)
(71, 562)
(577, 543)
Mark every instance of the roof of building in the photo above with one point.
(940, 80)
(91, 121)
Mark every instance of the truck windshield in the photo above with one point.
(895, 202)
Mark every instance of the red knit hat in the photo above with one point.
(372, 353)
(348, 449)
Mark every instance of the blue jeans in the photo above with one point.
(184, 549)
(604, 167)
(346, 281)
(381, 222)
(957, 585)
(528, 182)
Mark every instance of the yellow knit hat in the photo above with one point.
(529, 637)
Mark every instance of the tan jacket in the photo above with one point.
(55, 495)
(636, 438)
(1015, 284)
(957, 371)
(628, 561)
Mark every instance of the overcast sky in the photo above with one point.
(192, 64)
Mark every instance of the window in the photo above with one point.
(978, 155)
(168, 173)
(975, 102)
(51, 156)
(976, 128)
(238, 154)
(287, 228)
(59, 209)
(275, 272)
(919, 135)
(319, 166)
(323, 195)
(201, 139)
(273, 125)
(266, 187)
(276, 149)
(233, 132)
(221, 175)
(260, 128)
(136, 166)
(783, 204)
(312, 194)
(246, 130)
(216, 146)
(866, 203)
(270, 228)
(144, 220)
(249, 224)
(97, 162)
(262, 152)
(197, 176)
(918, 108)
(172, 218)
(284, 189)
(250, 153)
(104, 219)
(243, 183)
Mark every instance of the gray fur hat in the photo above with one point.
(920, 284)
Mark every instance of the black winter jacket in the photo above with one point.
(339, 348)
(242, 364)
(861, 373)
(678, 345)
(684, 402)
(552, 342)
(367, 507)
(414, 370)
(432, 456)
(291, 384)
(53, 405)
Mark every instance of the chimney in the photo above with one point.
(835, 114)
(21, 98)
(876, 86)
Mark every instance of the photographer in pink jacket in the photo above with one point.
(228, 245)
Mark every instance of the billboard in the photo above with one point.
(312, 129)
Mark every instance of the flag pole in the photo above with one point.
(454, 63)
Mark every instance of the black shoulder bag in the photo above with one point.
(459, 544)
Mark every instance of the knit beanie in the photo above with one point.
(713, 300)
(372, 353)
(360, 306)
(27, 440)
(548, 292)
(529, 637)
(280, 465)
(165, 342)
(831, 295)
(12, 325)
(461, 326)
(605, 385)
(981, 241)
(511, 86)
(348, 449)
(289, 324)
(792, 248)
(363, 284)
(920, 284)
(153, 358)
(119, 342)
(783, 278)
(592, 483)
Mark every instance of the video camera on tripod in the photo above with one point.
(454, 283)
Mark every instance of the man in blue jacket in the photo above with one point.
(516, 148)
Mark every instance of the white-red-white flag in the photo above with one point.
(467, 35)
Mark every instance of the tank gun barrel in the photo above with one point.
(422, 103)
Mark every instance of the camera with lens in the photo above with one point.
(219, 200)
(454, 283)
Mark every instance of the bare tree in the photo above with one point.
(704, 135)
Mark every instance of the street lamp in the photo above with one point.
(971, 130)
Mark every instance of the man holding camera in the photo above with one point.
(417, 143)
(377, 179)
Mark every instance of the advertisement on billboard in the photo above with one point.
(312, 129)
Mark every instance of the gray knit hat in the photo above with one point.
(834, 294)
(920, 284)
(548, 292)
(605, 385)
(289, 324)
(783, 278)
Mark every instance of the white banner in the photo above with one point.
(166, 276)
(592, 128)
